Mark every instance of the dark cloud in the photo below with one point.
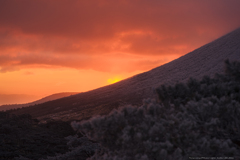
(112, 64)
(102, 19)
(84, 34)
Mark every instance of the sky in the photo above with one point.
(52, 46)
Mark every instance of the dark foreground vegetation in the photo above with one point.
(21, 136)
(191, 120)
(199, 118)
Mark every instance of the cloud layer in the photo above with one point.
(105, 35)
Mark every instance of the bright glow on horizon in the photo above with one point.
(114, 80)
(29, 85)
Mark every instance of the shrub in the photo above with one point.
(199, 118)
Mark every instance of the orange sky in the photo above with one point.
(50, 46)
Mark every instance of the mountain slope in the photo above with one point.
(206, 60)
(42, 100)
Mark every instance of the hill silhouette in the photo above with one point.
(206, 60)
(42, 100)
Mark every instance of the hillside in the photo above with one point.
(42, 100)
(206, 60)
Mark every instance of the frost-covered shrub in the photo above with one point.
(199, 118)
(227, 85)
(21, 158)
(153, 131)
(80, 149)
(233, 69)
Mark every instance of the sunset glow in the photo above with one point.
(114, 80)
(56, 46)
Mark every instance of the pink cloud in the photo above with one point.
(93, 34)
